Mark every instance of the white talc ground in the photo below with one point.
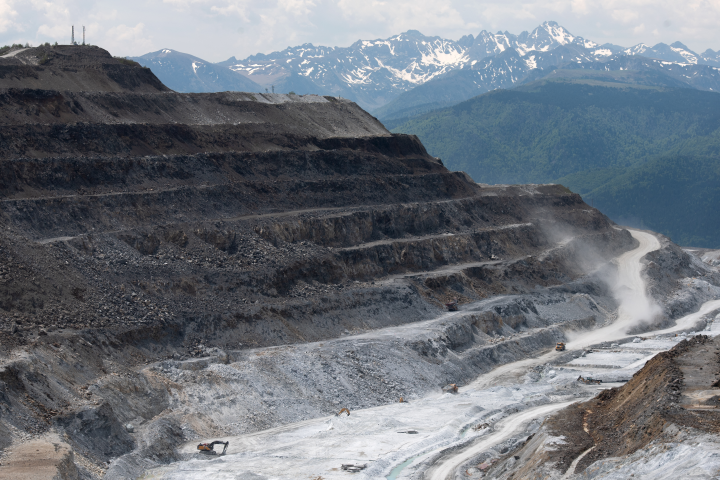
(319, 447)
(445, 437)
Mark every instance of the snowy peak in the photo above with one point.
(638, 49)
(544, 38)
(675, 53)
(367, 67)
(547, 36)
(710, 57)
(606, 50)
(685, 52)
(487, 44)
(553, 34)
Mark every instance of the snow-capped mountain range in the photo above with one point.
(383, 73)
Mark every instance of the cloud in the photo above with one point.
(239, 11)
(581, 7)
(135, 37)
(624, 15)
(297, 7)
(52, 31)
(7, 15)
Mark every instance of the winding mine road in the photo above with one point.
(628, 283)
(503, 431)
(635, 306)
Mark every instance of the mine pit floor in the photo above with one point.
(522, 394)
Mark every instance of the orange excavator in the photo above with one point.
(343, 410)
(209, 448)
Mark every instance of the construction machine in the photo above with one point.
(452, 306)
(452, 388)
(560, 346)
(209, 448)
(353, 468)
(589, 380)
(341, 412)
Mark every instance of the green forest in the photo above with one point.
(646, 156)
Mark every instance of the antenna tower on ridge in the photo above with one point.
(72, 39)
(83, 34)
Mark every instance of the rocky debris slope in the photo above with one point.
(141, 225)
(671, 400)
(75, 68)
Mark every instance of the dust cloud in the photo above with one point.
(635, 307)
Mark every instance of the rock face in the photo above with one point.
(138, 224)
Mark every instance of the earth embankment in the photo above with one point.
(670, 400)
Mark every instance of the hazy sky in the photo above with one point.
(217, 29)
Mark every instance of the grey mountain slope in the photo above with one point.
(710, 57)
(185, 73)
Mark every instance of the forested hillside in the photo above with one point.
(645, 155)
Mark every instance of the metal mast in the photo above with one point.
(72, 40)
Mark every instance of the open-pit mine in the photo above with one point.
(273, 272)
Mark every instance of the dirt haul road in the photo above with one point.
(636, 307)
(503, 431)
